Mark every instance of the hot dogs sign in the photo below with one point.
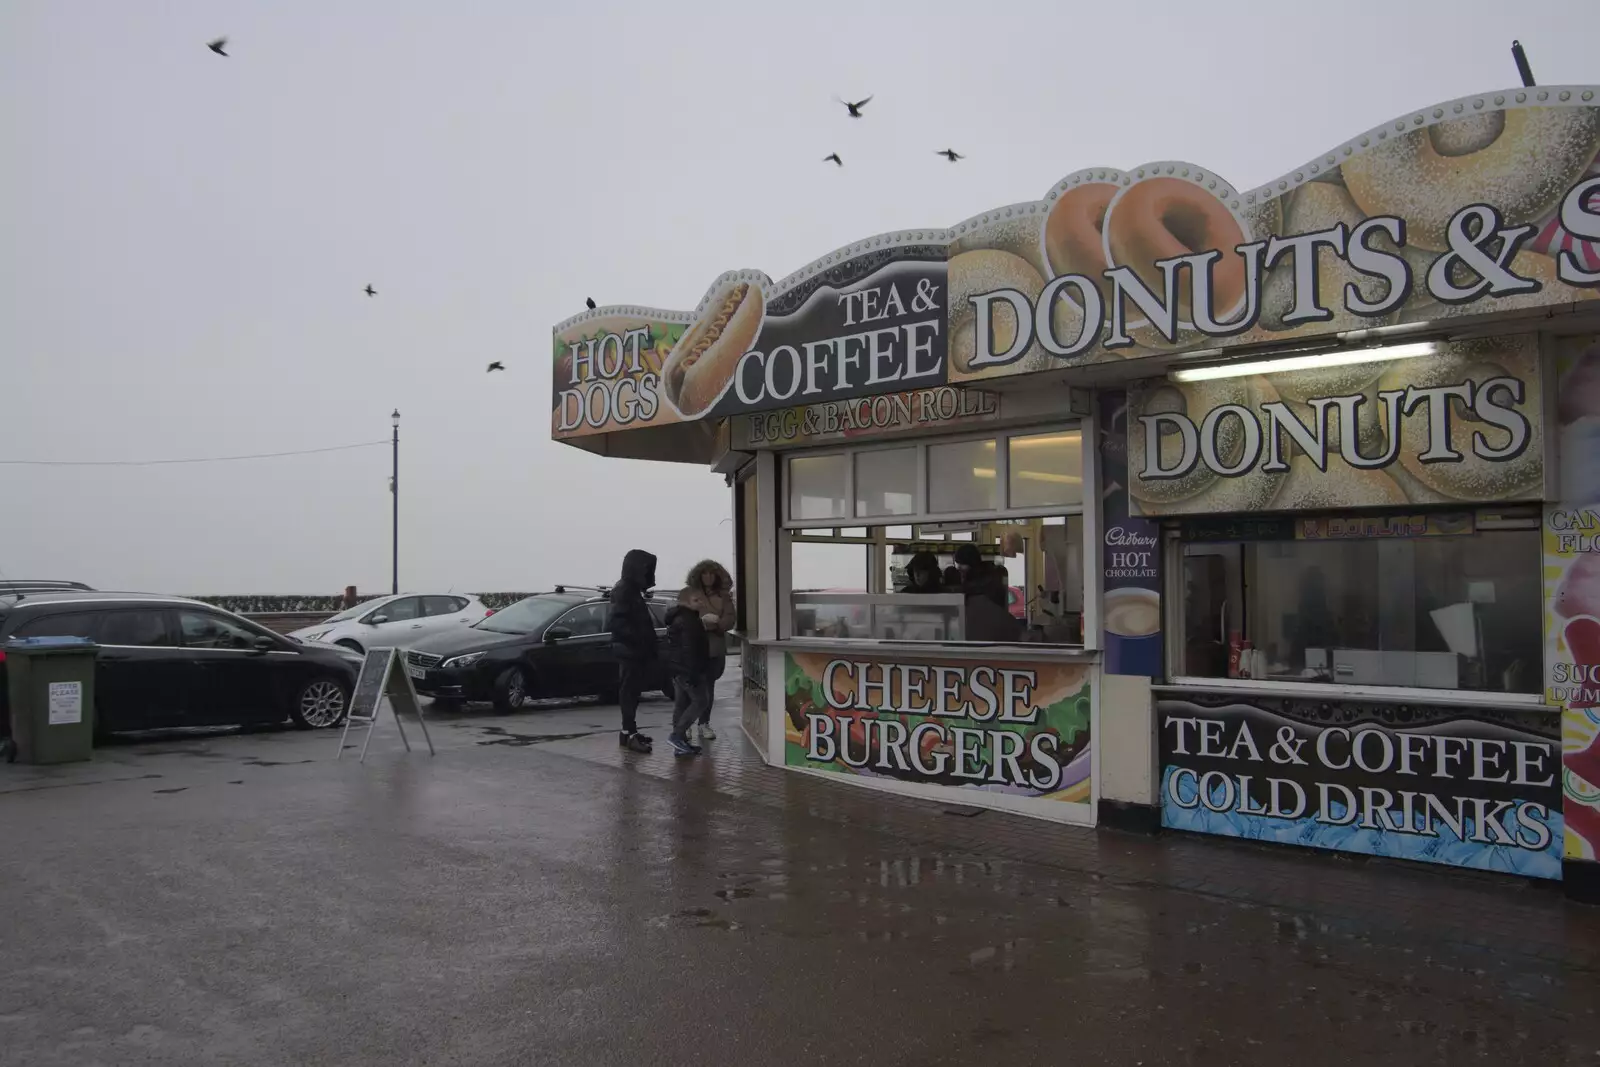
(1483, 204)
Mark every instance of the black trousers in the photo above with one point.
(631, 678)
(709, 681)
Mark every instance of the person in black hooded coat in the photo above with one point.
(633, 639)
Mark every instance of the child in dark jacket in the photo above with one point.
(688, 657)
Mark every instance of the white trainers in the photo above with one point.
(705, 732)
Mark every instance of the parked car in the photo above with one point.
(168, 661)
(545, 645)
(395, 621)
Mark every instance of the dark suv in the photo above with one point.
(167, 661)
(546, 645)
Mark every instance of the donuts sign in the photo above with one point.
(1462, 425)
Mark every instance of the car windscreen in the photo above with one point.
(527, 616)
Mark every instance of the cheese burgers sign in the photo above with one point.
(1484, 204)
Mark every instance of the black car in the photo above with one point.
(166, 661)
(546, 645)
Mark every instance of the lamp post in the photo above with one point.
(394, 491)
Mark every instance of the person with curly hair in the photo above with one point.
(708, 590)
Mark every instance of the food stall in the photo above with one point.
(1265, 512)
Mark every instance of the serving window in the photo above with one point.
(1444, 601)
(1028, 472)
(862, 583)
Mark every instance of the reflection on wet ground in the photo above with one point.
(248, 900)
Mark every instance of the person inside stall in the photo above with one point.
(987, 618)
(922, 574)
(968, 562)
(1311, 626)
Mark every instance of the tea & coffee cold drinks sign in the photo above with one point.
(1467, 787)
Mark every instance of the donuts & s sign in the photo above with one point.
(1484, 204)
(1463, 425)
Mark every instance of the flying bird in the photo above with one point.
(218, 45)
(590, 301)
(833, 158)
(855, 108)
(950, 153)
(496, 365)
(370, 291)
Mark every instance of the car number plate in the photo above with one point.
(416, 672)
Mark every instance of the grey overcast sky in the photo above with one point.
(184, 238)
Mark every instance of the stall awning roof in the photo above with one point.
(1406, 221)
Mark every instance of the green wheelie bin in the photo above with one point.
(50, 685)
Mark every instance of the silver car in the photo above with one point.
(396, 621)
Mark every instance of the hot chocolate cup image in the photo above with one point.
(1131, 619)
(1133, 612)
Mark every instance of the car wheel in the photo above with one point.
(352, 646)
(511, 690)
(321, 702)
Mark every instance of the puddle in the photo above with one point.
(501, 736)
(274, 763)
(75, 785)
(696, 918)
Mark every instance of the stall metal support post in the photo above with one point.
(772, 551)
(394, 491)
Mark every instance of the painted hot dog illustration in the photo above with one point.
(704, 360)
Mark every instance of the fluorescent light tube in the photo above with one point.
(1338, 358)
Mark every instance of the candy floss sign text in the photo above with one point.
(1572, 593)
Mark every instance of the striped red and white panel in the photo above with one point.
(1552, 238)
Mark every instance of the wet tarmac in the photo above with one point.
(246, 899)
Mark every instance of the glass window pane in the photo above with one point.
(213, 631)
(822, 567)
(961, 477)
(817, 487)
(886, 482)
(1431, 612)
(76, 624)
(1045, 468)
(146, 628)
(584, 620)
(433, 606)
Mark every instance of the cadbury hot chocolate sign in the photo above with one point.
(1485, 204)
